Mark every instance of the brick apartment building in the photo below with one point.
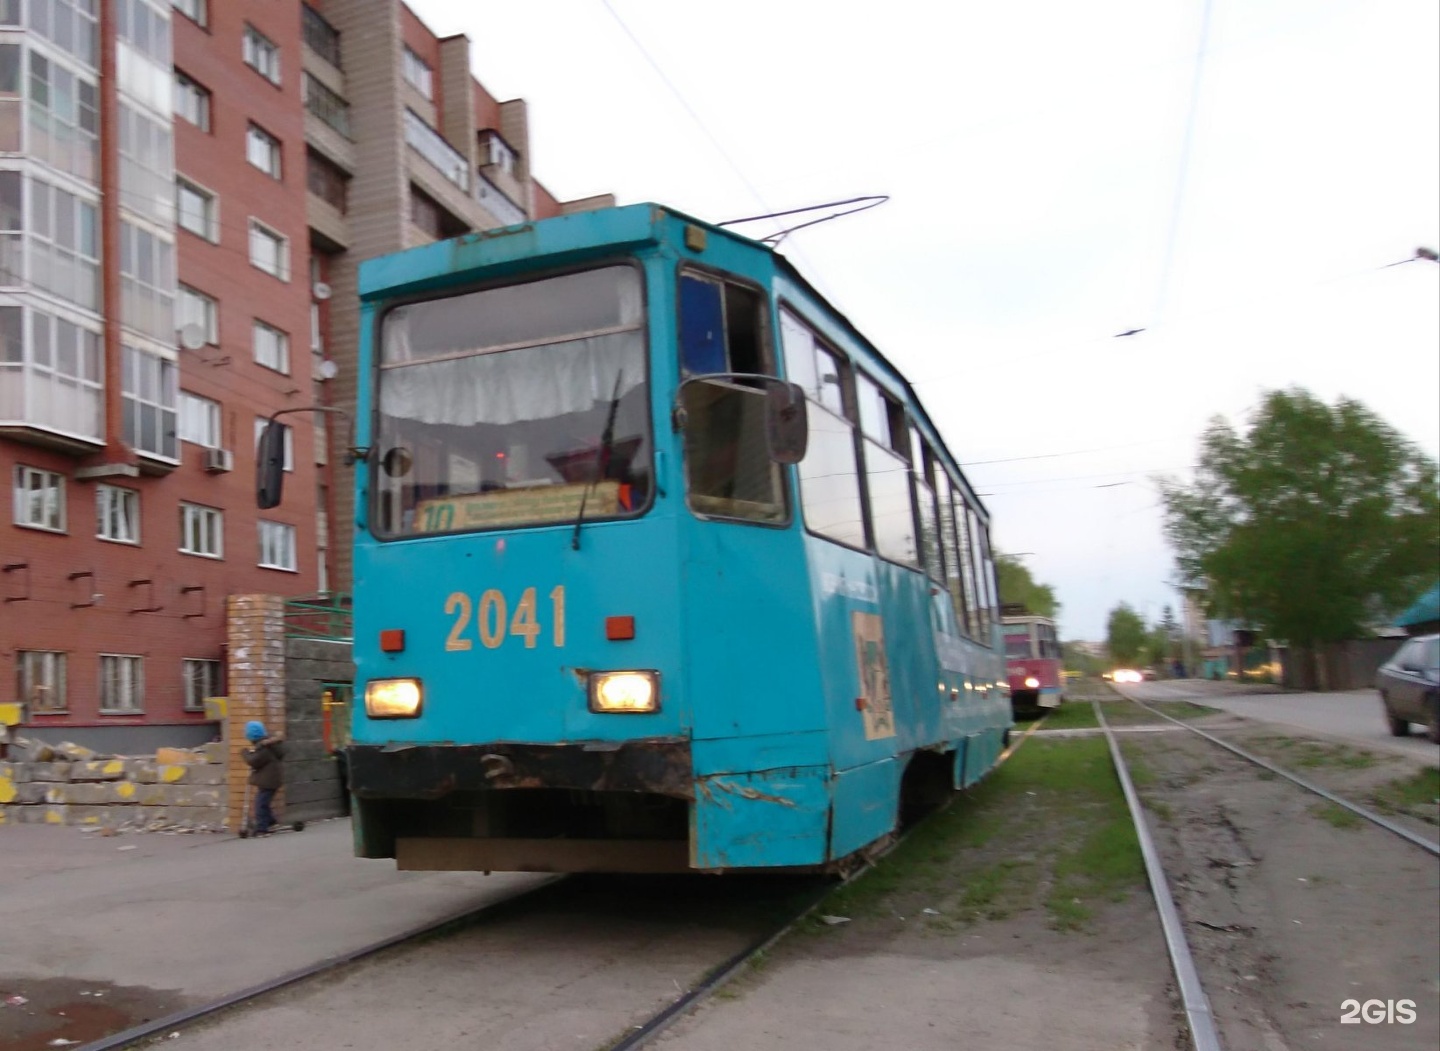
(185, 195)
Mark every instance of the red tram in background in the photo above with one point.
(1032, 661)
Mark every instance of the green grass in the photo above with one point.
(1072, 715)
(1312, 754)
(1046, 828)
(1416, 794)
(1336, 815)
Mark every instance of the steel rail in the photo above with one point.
(189, 1015)
(717, 977)
(1198, 1015)
(1369, 815)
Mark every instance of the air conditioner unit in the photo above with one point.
(217, 460)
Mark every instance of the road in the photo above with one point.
(1355, 715)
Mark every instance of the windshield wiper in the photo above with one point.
(602, 459)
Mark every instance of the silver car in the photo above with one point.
(1409, 685)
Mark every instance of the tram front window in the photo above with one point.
(1017, 646)
(510, 406)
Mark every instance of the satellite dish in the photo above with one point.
(321, 291)
(327, 369)
(192, 336)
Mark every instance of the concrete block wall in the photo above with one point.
(176, 789)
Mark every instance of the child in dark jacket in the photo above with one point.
(266, 773)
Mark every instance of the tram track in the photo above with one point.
(1200, 1017)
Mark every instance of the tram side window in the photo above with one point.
(954, 581)
(988, 584)
(728, 470)
(973, 623)
(829, 475)
(887, 474)
(982, 595)
(929, 536)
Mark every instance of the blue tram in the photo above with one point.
(607, 616)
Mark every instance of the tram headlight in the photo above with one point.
(624, 691)
(393, 698)
(1032, 683)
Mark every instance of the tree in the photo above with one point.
(1316, 522)
(1018, 586)
(1125, 634)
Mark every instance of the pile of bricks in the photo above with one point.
(176, 789)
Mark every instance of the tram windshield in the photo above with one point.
(510, 406)
(1017, 645)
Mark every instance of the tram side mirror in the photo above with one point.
(270, 466)
(787, 430)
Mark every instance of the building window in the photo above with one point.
(192, 101)
(431, 145)
(64, 117)
(65, 239)
(198, 309)
(496, 152)
(272, 347)
(195, 10)
(142, 26)
(326, 181)
(147, 282)
(117, 514)
(199, 420)
(149, 393)
(435, 220)
(263, 151)
(122, 684)
(202, 531)
(202, 680)
(40, 678)
(269, 251)
(63, 376)
(199, 211)
(39, 499)
(277, 545)
(147, 165)
(417, 73)
(289, 432)
(261, 54)
(328, 106)
(320, 35)
(68, 24)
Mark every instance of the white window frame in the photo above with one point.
(279, 360)
(261, 54)
(281, 244)
(195, 10)
(201, 677)
(191, 301)
(117, 514)
(43, 670)
(208, 226)
(122, 673)
(208, 520)
(418, 74)
(192, 101)
(277, 545)
(51, 510)
(287, 430)
(199, 422)
(262, 150)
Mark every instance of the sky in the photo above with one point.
(1232, 178)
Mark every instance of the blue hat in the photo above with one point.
(255, 730)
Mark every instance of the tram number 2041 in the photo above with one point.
(494, 621)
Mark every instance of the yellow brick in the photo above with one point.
(10, 714)
(54, 817)
(7, 790)
(114, 766)
(171, 773)
(176, 755)
(125, 789)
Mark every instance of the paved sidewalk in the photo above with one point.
(205, 914)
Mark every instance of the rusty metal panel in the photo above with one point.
(761, 820)
(660, 766)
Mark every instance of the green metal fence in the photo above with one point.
(326, 616)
